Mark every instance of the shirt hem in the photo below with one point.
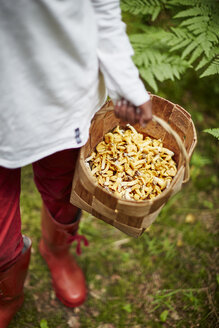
(32, 159)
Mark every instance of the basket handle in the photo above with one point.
(166, 127)
(179, 142)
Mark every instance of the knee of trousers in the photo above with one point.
(10, 249)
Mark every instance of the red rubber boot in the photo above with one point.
(67, 277)
(11, 285)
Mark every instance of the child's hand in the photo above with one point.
(132, 114)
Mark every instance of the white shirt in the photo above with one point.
(50, 86)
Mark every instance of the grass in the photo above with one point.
(167, 278)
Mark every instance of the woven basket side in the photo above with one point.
(137, 209)
(152, 129)
(86, 150)
(159, 201)
(102, 217)
(105, 197)
(85, 178)
(177, 185)
(149, 219)
(79, 202)
(103, 209)
(161, 107)
(96, 131)
(130, 220)
(191, 139)
(110, 122)
(131, 231)
(182, 110)
(179, 119)
(82, 192)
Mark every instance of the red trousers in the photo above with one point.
(53, 177)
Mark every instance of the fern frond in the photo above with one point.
(195, 55)
(150, 36)
(210, 3)
(195, 21)
(143, 7)
(191, 39)
(147, 75)
(158, 65)
(205, 61)
(212, 69)
(213, 132)
(179, 38)
(189, 49)
(199, 34)
(190, 12)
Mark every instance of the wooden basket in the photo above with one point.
(174, 126)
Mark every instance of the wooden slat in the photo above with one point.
(149, 219)
(86, 178)
(157, 103)
(104, 210)
(130, 220)
(177, 187)
(161, 200)
(152, 129)
(170, 143)
(110, 122)
(105, 197)
(191, 139)
(78, 202)
(180, 119)
(182, 110)
(167, 111)
(86, 196)
(102, 217)
(133, 232)
(131, 208)
(96, 132)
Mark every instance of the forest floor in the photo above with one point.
(169, 277)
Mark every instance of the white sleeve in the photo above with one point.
(114, 54)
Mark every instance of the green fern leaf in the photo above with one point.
(155, 13)
(189, 49)
(213, 132)
(207, 47)
(196, 54)
(189, 12)
(179, 44)
(195, 21)
(213, 37)
(166, 53)
(204, 61)
(191, 3)
(143, 7)
(149, 78)
(212, 69)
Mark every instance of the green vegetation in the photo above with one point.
(213, 132)
(167, 278)
(172, 36)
